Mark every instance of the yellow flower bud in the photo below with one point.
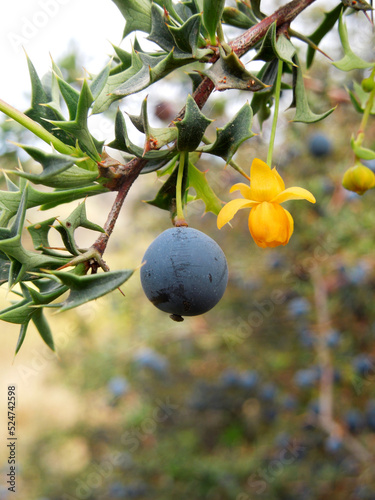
(359, 179)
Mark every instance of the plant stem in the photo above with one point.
(240, 46)
(35, 128)
(276, 112)
(368, 107)
(182, 165)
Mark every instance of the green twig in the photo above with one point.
(276, 112)
(35, 128)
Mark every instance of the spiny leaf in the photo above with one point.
(350, 60)
(137, 14)
(68, 226)
(91, 287)
(229, 73)
(325, 27)
(10, 200)
(39, 235)
(198, 181)
(43, 328)
(234, 17)
(300, 102)
(166, 196)
(159, 137)
(106, 97)
(230, 137)
(212, 12)
(42, 114)
(78, 127)
(191, 129)
(123, 143)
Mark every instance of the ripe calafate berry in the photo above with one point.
(185, 272)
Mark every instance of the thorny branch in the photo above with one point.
(242, 44)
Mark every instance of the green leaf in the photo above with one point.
(159, 137)
(91, 287)
(59, 171)
(154, 68)
(78, 127)
(359, 98)
(98, 83)
(123, 143)
(325, 27)
(300, 102)
(198, 181)
(137, 14)
(42, 114)
(68, 226)
(43, 328)
(106, 97)
(166, 196)
(234, 17)
(191, 129)
(212, 12)
(186, 37)
(230, 137)
(39, 235)
(229, 73)
(70, 96)
(10, 200)
(350, 61)
(21, 337)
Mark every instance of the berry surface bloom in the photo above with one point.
(269, 223)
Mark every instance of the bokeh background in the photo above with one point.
(227, 405)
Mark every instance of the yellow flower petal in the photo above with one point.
(230, 209)
(279, 179)
(294, 193)
(270, 225)
(265, 184)
(243, 188)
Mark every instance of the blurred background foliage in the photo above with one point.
(226, 405)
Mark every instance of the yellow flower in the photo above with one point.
(269, 223)
(359, 179)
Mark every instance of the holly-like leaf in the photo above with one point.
(154, 68)
(230, 137)
(186, 36)
(212, 12)
(99, 81)
(91, 287)
(106, 97)
(78, 127)
(137, 14)
(300, 102)
(59, 171)
(198, 181)
(234, 17)
(192, 127)
(10, 200)
(229, 73)
(157, 137)
(41, 113)
(350, 61)
(166, 196)
(123, 143)
(325, 27)
(43, 328)
(39, 234)
(68, 226)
